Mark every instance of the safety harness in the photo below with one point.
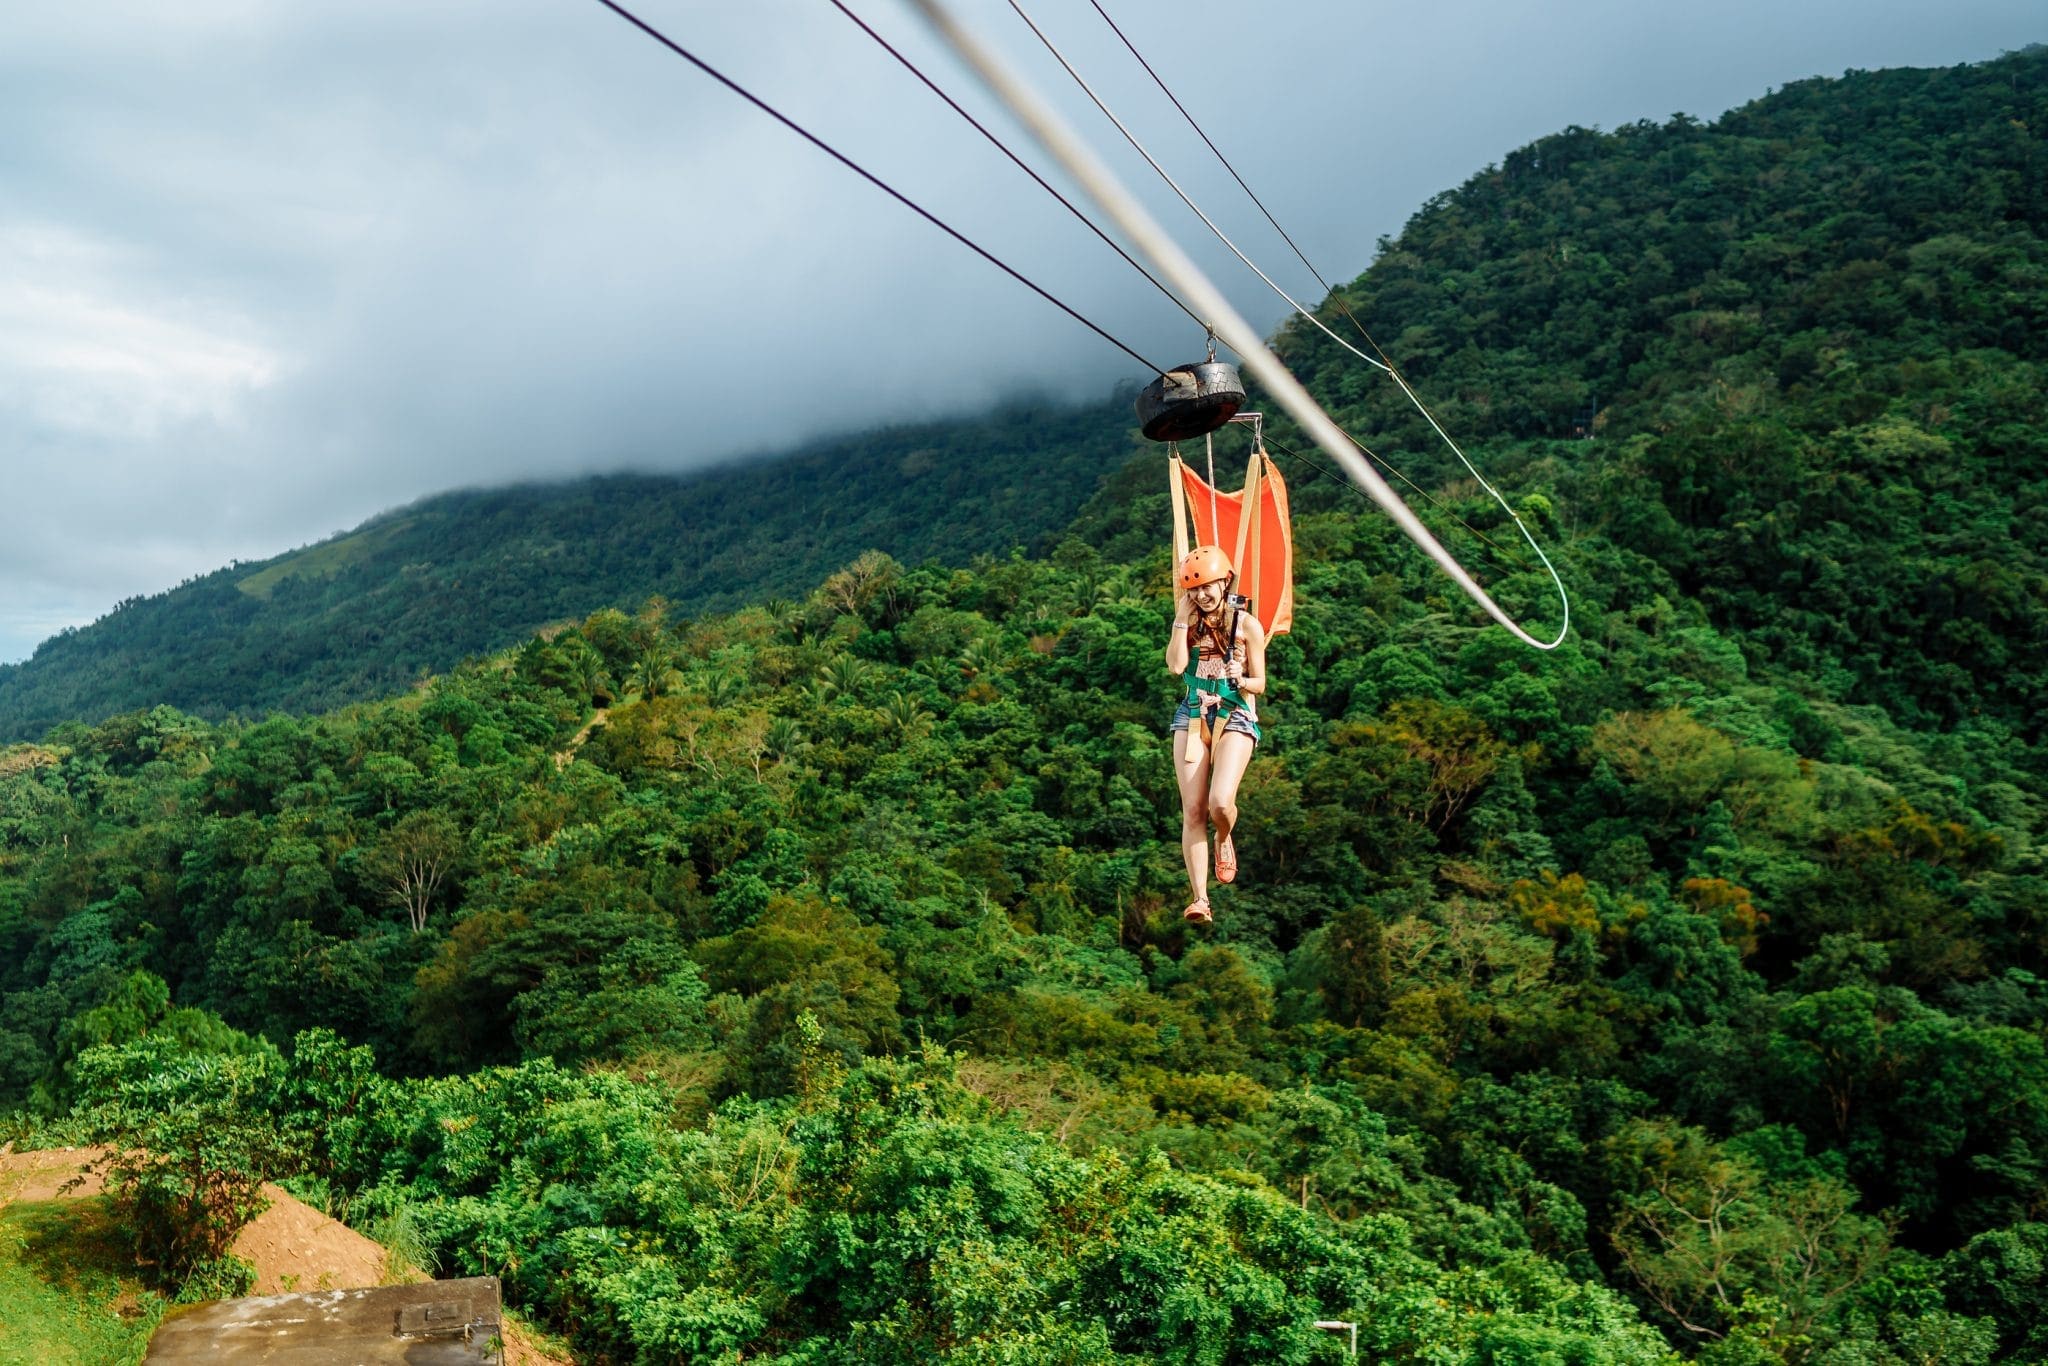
(1207, 718)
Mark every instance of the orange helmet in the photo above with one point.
(1203, 564)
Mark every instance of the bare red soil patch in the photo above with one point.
(292, 1245)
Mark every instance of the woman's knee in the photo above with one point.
(1225, 812)
(1194, 812)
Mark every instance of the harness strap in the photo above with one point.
(1221, 688)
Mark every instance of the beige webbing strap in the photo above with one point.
(1248, 519)
(1177, 493)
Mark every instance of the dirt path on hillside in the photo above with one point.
(568, 756)
(293, 1246)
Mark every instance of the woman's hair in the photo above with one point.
(1213, 627)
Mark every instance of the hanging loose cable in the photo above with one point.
(864, 173)
(1018, 161)
(1292, 302)
(1439, 504)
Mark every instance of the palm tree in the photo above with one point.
(722, 687)
(783, 613)
(906, 715)
(982, 656)
(785, 739)
(653, 672)
(844, 676)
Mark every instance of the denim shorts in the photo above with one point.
(1238, 723)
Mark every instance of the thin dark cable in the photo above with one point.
(715, 74)
(1020, 163)
(1328, 289)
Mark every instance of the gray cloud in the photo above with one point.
(267, 268)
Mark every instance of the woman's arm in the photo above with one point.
(1252, 680)
(1177, 639)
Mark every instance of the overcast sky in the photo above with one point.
(268, 267)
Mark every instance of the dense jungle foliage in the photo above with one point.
(806, 983)
(416, 591)
(1815, 328)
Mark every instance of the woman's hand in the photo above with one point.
(1177, 636)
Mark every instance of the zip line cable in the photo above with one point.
(1292, 302)
(1145, 234)
(1434, 501)
(1300, 255)
(1214, 148)
(1131, 138)
(1020, 163)
(1207, 221)
(1500, 561)
(715, 74)
(1329, 290)
(1331, 293)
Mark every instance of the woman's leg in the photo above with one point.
(1193, 771)
(1229, 757)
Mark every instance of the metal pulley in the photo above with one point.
(1190, 401)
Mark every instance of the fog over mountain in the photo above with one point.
(266, 269)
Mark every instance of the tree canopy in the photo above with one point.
(806, 979)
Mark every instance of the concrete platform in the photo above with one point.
(433, 1323)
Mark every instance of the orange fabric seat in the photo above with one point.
(1264, 543)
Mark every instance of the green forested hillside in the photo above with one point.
(1814, 330)
(806, 982)
(417, 590)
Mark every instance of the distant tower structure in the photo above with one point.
(1582, 420)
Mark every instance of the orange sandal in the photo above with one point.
(1197, 912)
(1226, 860)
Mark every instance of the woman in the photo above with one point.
(1219, 650)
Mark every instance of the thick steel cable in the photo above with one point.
(1329, 290)
(1193, 207)
(864, 173)
(1294, 303)
(1500, 558)
(1439, 504)
(1386, 362)
(1018, 161)
(1148, 237)
(1133, 49)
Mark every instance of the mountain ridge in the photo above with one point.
(812, 979)
(415, 589)
(1804, 258)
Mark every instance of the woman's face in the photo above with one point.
(1208, 596)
